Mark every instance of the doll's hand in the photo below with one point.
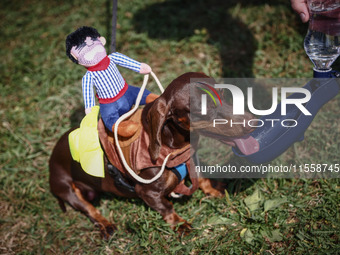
(145, 69)
(88, 110)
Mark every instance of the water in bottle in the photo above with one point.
(322, 42)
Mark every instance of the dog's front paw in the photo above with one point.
(214, 193)
(183, 228)
(107, 231)
(211, 187)
(177, 223)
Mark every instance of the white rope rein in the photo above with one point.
(128, 114)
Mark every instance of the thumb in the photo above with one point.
(301, 8)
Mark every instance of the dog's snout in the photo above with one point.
(249, 129)
(251, 122)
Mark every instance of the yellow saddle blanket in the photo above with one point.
(85, 146)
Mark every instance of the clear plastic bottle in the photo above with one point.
(322, 42)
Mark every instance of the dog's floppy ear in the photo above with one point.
(156, 118)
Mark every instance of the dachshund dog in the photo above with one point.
(167, 121)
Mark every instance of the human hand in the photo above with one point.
(328, 19)
(301, 8)
(145, 69)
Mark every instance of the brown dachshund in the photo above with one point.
(167, 122)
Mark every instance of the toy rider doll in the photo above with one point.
(85, 47)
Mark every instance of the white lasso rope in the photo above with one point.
(128, 114)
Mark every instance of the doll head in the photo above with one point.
(85, 46)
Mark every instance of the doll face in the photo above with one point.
(91, 52)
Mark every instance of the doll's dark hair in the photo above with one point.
(78, 37)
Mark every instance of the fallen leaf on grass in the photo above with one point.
(273, 203)
(254, 201)
(215, 220)
(273, 236)
(247, 235)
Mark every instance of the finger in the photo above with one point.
(301, 8)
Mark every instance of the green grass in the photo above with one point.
(41, 99)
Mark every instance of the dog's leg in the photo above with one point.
(208, 186)
(63, 187)
(211, 188)
(71, 194)
(159, 203)
(68, 192)
(154, 195)
(81, 204)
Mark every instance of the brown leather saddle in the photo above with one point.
(136, 153)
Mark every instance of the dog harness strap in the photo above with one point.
(180, 171)
(181, 188)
